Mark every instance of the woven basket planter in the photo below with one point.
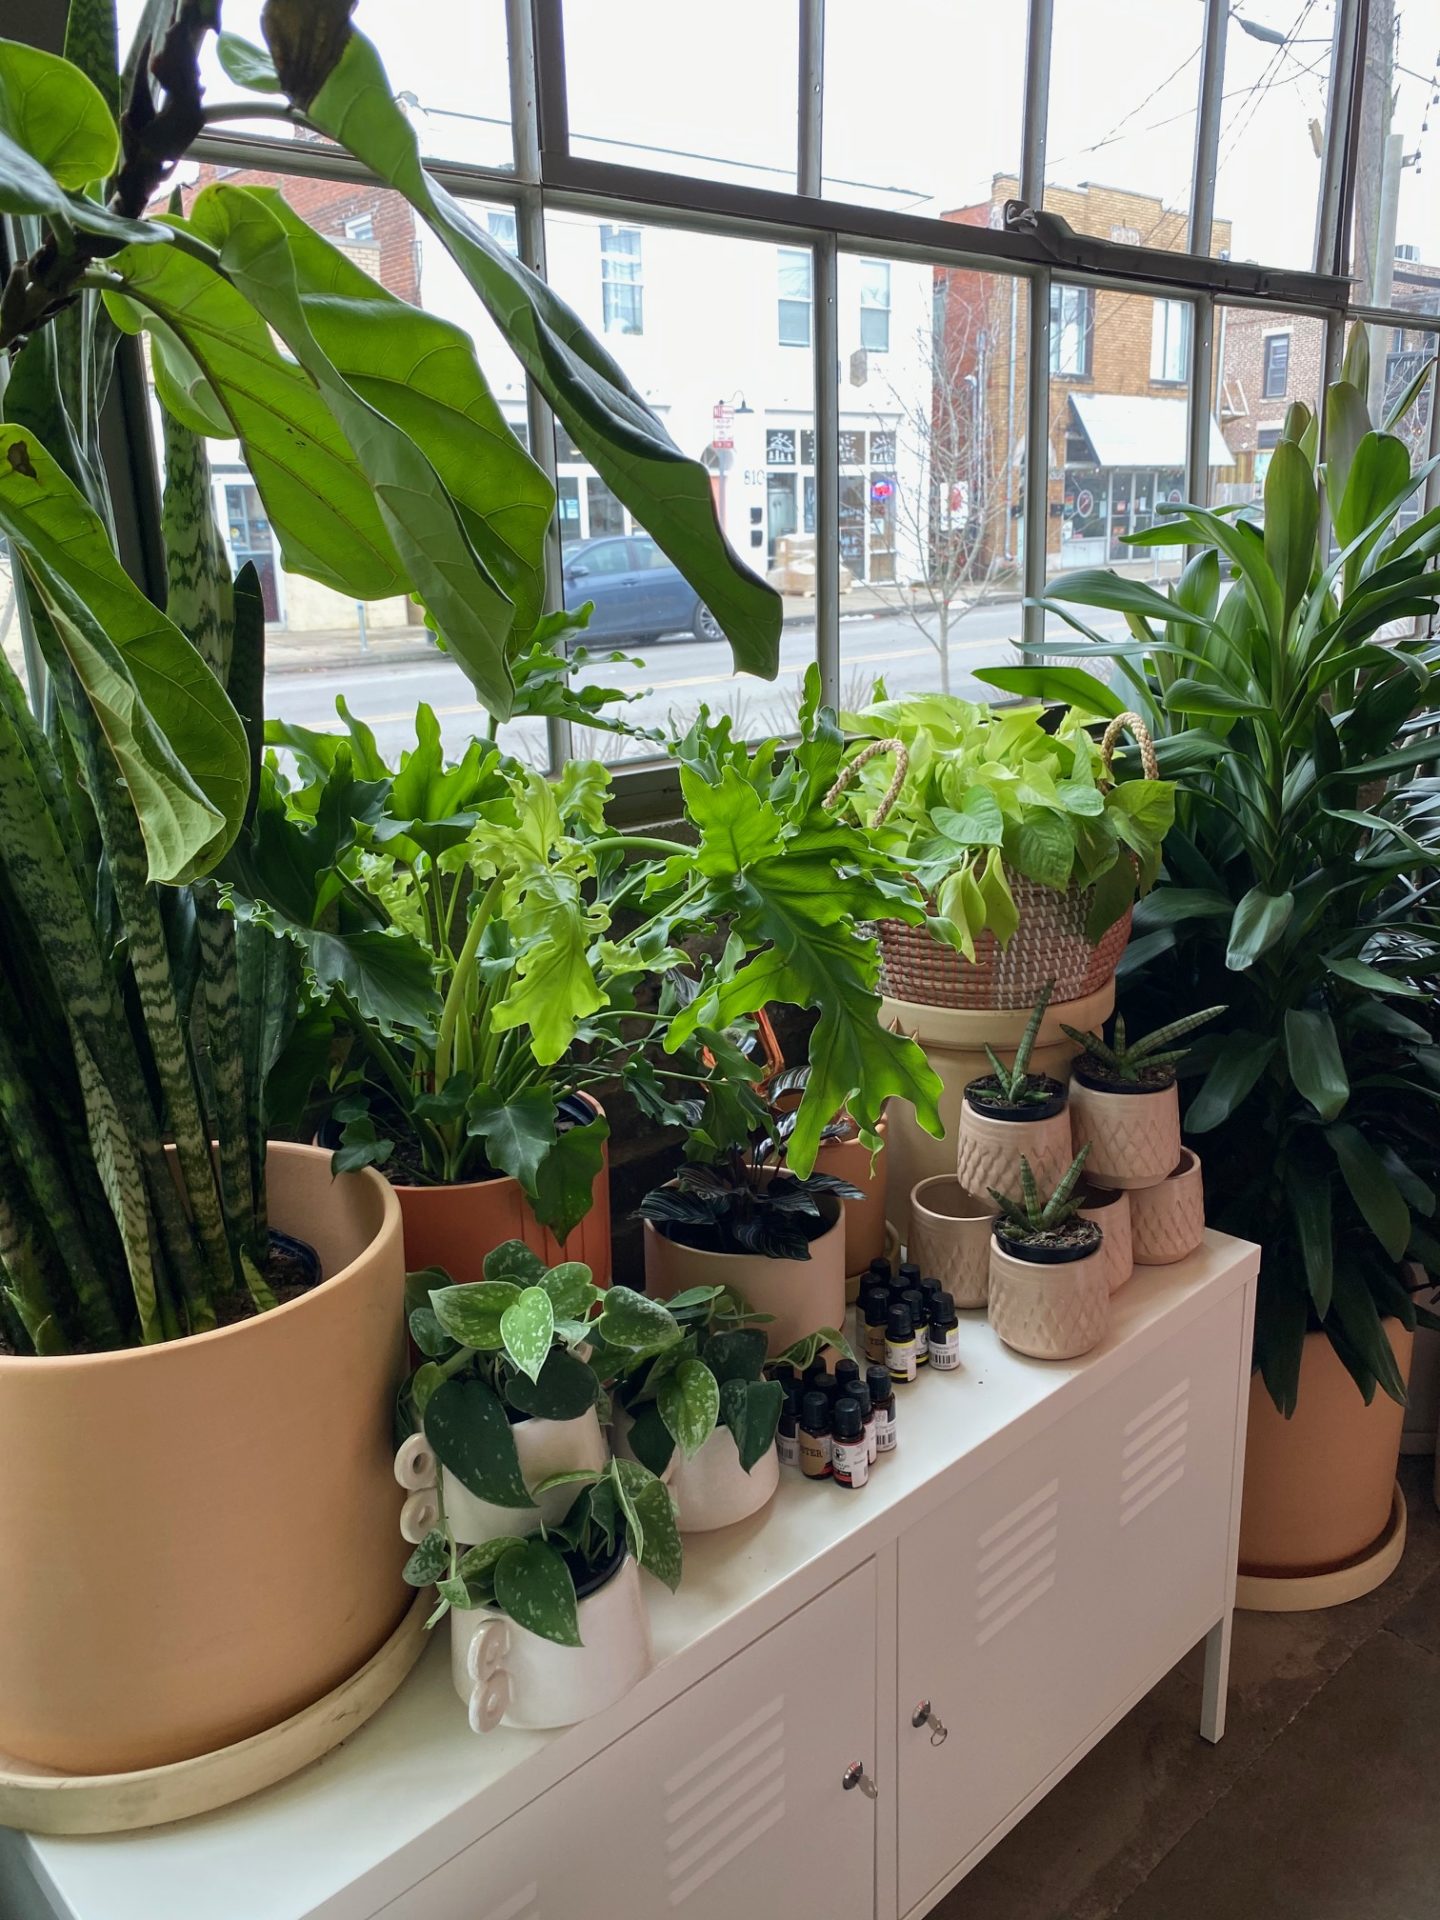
(1048, 944)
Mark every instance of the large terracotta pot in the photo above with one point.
(953, 1040)
(201, 1538)
(800, 1295)
(455, 1227)
(865, 1218)
(1318, 1486)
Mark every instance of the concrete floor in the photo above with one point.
(1317, 1804)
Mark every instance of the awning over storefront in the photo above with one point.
(1136, 430)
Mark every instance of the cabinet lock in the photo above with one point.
(856, 1776)
(925, 1716)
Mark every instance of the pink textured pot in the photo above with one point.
(950, 1237)
(1168, 1222)
(1133, 1136)
(1109, 1209)
(1048, 1311)
(989, 1149)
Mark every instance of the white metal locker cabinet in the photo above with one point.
(727, 1802)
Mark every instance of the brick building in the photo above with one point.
(1119, 367)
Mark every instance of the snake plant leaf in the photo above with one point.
(174, 736)
(92, 45)
(58, 116)
(472, 614)
(668, 494)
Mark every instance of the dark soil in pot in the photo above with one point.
(986, 1097)
(292, 1268)
(1055, 1246)
(590, 1577)
(1102, 1078)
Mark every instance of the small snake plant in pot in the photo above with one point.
(1049, 1289)
(1123, 1101)
(1011, 1111)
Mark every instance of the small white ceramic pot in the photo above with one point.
(989, 1149)
(800, 1295)
(1168, 1221)
(1133, 1136)
(507, 1675)
(950, 1237)
(1109, 1209)
(545, 1447)
(711, 1489)
(1049, 1310)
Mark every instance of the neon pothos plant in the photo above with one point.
(1300, 880)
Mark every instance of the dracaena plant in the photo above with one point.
(1033, 1217)
(1147, 1062)
(1299, 880)
(990, 795)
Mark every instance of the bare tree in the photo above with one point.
(951, 501)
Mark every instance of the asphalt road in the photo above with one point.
(676, 677)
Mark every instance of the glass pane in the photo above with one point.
(733, 395)
(708, 91)
(932, 450)
(1118, 436)
(1127, 122)
(453, 79)
(1263, 362)
(1397, 209)
(1272, 120)
(895, 135)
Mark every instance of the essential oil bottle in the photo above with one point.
(851, 1460)
(880, 1270)
(909, 1275)
(900, 1348)
(875, 1309)
(814, 1437)
(816, 1369)
(944, 1334)
(847, 1372)
(787, 1434)
(914, 1301)
(930, 1291)
(860, 1394)
(882, 1402)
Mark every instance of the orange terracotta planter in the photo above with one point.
(1318, 1486)
(200, 1539)
(864, 1219)
(455, 1227)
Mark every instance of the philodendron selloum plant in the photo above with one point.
(1300, 874)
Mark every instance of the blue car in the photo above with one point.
(637, 593)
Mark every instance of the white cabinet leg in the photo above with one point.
(1217, 1679)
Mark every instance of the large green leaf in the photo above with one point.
(668, 494)
(1067, 686)
(565, 1178)
(533, 1585)
(467, 1426)
(527, 1327)
(1292, 513)
(751, 1410)
(472, 1314)
(658, 1546)
(1242, 1058)
(689, 1401)
(518, 1133)
(1313, 1052)
(48, 107)
(1094, 587)
(1381, 1203)
(1260, 919)
(1308, 1190)
(177, 741)
(635, 1323)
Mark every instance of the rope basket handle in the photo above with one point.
(1148, 762)
(849, 772)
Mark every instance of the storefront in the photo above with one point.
(1124, 461)
(868, 494)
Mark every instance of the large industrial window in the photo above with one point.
(942, 320)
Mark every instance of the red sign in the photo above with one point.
(724, 433)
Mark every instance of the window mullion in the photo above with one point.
(827, 467)
(1336, 170)
(1037, 457)
(1207, 125)
(1202, 362)
(1037, 107)
(810, 127)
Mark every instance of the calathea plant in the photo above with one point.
(1299, 878)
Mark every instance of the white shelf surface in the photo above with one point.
(415, 1785)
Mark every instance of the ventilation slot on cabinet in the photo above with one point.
(1016, 1562)
(723, 1800)
(1152, 1454)
(524, 1905)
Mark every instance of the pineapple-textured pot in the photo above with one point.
(1133, 1133)
(801, 1295)
(1109, 1209)
(992, 1141)
(1167, 1222)
(1049, 1309)
(950, 1237)
(545, 1447)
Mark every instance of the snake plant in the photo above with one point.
(1150, 1061)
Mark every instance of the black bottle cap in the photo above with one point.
(899, 1325)
(815, 1412)
(789, 1406)
(783, 1372)
(942, 1311)
(914, 1300)
(909, 1273)
(815, 1369)
(849, 1424)
(875, 1304)
(860, 1394)
(827, 1385)
(929, 1286)
(877, 1379)
(881, 1269)
(847, 1372)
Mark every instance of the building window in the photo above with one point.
(360, 227)
(1277, 366)
(875, 305)
(622, 294)
(1170, 341)
(797, 295)
(1072, 331)
(500, 224)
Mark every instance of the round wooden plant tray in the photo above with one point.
(40, 1801)
(1307, 1592)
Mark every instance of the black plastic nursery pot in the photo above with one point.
(998, 1109)
(1038, 1256)
(1098, 1083)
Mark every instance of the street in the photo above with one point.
(676, 678)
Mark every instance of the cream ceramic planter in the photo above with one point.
(1050, 1311)
(506, 1674)
(1109, 1209)
(710, 1490)
(1134, 1138)
(950, 1237)
(800, 1295)
(989, 1151)
(1167, 1222)
(545, 1447)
